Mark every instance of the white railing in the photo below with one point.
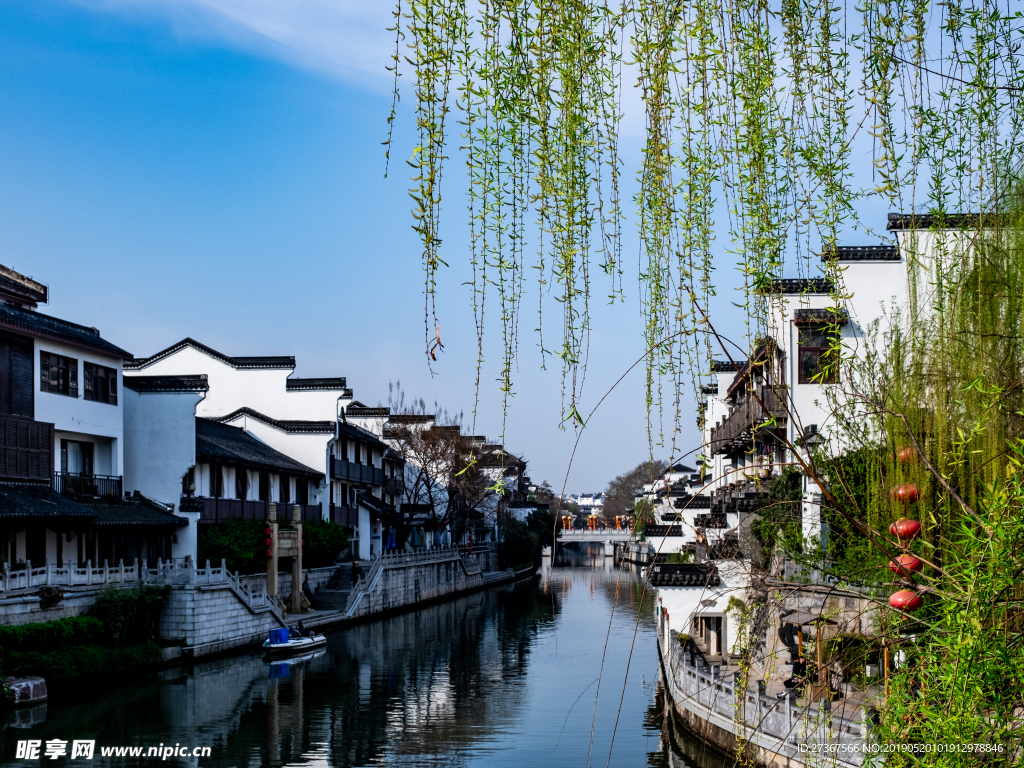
(395, 559)
(178, 572)
(779, 725)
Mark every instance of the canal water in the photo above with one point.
(528, 675)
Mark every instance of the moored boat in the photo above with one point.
(282, 643)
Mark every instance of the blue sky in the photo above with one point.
(214, 169)
(171, 171)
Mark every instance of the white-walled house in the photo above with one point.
(303, 419)
(62, 447)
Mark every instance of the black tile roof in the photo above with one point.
(134, 513)
(861, 253)
(285, 425)
(374, 504)
(223, 443)
(24, 503)
(167, 383)
(236, 362)
(904, 221)
(802, 285)
(352, 432)
(685, 575)
(45, 326)
(360, 411)
(821, 316)
(322, 383)
(724, 366)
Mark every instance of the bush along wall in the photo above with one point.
(322, 542)
(118, 638)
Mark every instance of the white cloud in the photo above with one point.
(344, 38)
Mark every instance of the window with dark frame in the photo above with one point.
(816, 358)
(100, 383)
(58, 375)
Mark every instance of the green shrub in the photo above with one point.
(520, 544)
(71, 664)
(131, 616)
(322, 542)
(239, 542)
(50, 636)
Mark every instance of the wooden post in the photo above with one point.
(885, 665)
(272, 560)
(821, 665)
(297, 561)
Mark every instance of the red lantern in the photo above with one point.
(905, 529)
(267, 530)
(905, 600)
(906, 566)
(270, 543)
(905, 493)
(906, 455)
(269, 554)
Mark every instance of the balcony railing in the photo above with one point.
(347, 516)
(710, 521)
(735, 432)
(356, 473)
(213, 510)
(26, 449)
(87, 485)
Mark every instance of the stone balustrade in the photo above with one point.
(780, 728)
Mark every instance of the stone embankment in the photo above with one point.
(210, 610)
(771, 731)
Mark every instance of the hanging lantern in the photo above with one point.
(905, 529)
(905, 600)
(906, 455)
(267, 530)
(269, 554)
(905, 493)
(270, 543)
(906, 566)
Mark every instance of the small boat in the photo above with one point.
(281, 643)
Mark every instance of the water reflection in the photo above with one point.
(503, 677)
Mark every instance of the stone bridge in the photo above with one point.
(608, 537)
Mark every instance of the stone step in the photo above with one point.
(330, 599)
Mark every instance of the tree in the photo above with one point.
(620, 495)
(445, 484)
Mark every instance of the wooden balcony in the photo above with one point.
(736, 430)
(347, 516)
(26, 449)
(356, 473)
(213, 510)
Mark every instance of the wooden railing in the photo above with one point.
(347, 516)
(87, 485)
(214, 510)
(746, 414)
(356, 473)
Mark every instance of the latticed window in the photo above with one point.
(100, 383)
(817, 360)
(58, 374)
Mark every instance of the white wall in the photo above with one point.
(262, 389)
(683, 603)
(86, 418)
(160, 437)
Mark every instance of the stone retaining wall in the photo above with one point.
(212, 619)
(26, 610)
